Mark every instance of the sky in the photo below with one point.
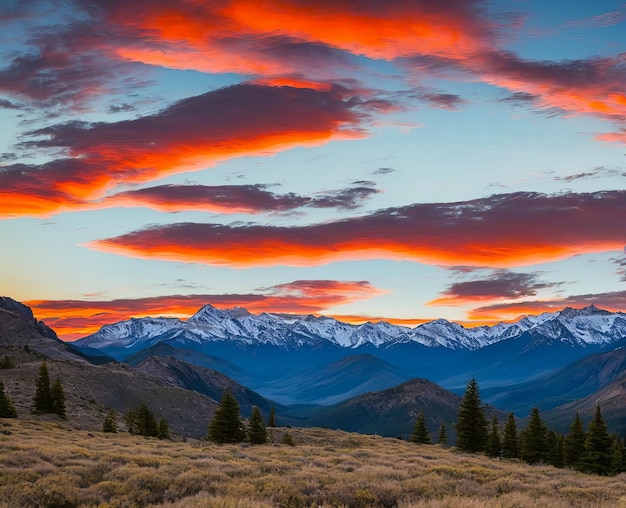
(400, 160)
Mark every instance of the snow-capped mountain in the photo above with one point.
(586, 326)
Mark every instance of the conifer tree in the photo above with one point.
(598, 453)
(555, 455)
(7, 409)
(42, 401)
(494, 446)
(443, 435)
(510, 440)
(256, 428)
(109, 425)
(420, 432)
(6, 363)
(271, 421)
(471, 426)
(617, 462)
(226, 426)
(58, 399)
(574, 445)
(164, 429)
(533, 439)
(142, 421)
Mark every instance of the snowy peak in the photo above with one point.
(580, 327)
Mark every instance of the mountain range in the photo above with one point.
(374, 377)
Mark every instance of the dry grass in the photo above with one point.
(44, 464)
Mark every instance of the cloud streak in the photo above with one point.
(499, 231)
(500, 284)
(194, 133)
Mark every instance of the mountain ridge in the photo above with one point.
(586, 326)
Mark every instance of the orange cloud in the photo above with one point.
(73, 319)
(192, 134)
(499, 231)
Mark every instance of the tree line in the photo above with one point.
(592, 451)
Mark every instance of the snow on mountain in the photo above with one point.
(579, 327)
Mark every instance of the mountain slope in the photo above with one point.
(575, 381)
(393, 411)
(336, 381)
(205, 381)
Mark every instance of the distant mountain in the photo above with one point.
(339, 380)
(293, 358)
(208, 382)
(575, 381)
(393, 412)
(588, 326)
(612, 401)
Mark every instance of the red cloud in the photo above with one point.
(498, 231)
(615, 302)
(500, 284)
(192, 134)
(73, 319)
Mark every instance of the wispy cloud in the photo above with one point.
(499, 231)
(192, 134)
(498, 285)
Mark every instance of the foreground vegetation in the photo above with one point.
(49, 463)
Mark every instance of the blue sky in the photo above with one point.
(401, 160)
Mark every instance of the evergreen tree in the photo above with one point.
(271, 421)
(494, 447)
(58, 399)
(617, 462)
(256, 428)
(288, 439)
(6, 363)
(142, 421)
(555, 455)
(42, 401)
(164, 429)
(420, 432)
(510, 441)
(109, 425)
(443, 435)
(472, 425)
(574, 445)
(7, 409)
(598, 453)
(226, 426)
(533, 439)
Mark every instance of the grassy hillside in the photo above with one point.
(51, 464)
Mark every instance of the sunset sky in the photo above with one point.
(394, 160)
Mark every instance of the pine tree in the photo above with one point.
(420, 432)
(142, 421)
(110, 425)
(494, 447)
(256, 428)
(164, 429)
(6, 363)
(7, 409)
(510, 441)
(58, 399)
(271, 421)
(42, 401)
(598, 453)
(617, 462)
(288, 439)
(555, 455)
(533, 439)
(226, 426)
(574, 445)
(472, 425)
(443, 435)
